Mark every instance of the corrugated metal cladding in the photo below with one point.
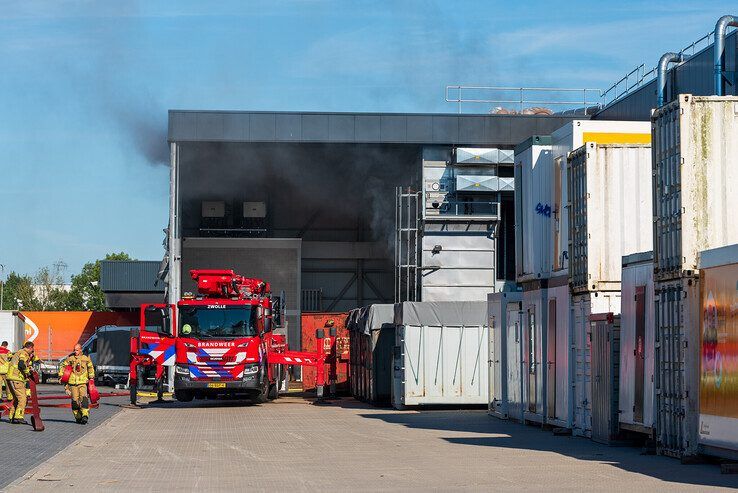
(224, 126)
(695, 76)
(133, 275)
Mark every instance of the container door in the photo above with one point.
(551, 357)
(532, 381)
(493, 363)
(639, 353)
(600, 381)
(514, 381)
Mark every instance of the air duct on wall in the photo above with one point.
(719, 51)
(664, 62)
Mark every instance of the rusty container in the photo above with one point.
(310, 323)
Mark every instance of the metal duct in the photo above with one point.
(719, 51)
(664, 62)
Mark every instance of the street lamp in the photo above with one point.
(19, 303)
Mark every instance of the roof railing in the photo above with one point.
(524, 98)
(639, 76)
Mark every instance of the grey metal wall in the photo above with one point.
(695, 76)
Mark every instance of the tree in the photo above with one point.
(18, 287)
(49, 288)
(85, 293)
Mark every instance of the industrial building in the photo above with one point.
(311, 202)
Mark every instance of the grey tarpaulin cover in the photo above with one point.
(370, 318)
(441, 313)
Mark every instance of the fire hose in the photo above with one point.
(34, 403)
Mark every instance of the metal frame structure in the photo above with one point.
(407, 244)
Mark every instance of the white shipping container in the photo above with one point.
(637, 395)
(533, 209)
(564, 140)
(503, 312)
(558, 350)
(11, 330)
(609, 212)
(442, 354)
(695, 161)
(583, 305)
(677, 374)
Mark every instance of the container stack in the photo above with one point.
(695, 170)
(609, 216)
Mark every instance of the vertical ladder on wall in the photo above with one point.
(407, 244)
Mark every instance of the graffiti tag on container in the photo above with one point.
(543, 209)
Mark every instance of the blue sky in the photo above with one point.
(85, 87)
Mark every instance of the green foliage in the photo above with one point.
(44, 291)
(86, 293)
(18, 287)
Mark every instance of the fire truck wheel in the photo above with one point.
(263, 394)
(183, 396)
(273, 392)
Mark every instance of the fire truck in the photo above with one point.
(220, 341)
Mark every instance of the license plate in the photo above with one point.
(216, 385)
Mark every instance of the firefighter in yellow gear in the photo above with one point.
(5, 356)
(82, 371)
(19, 371)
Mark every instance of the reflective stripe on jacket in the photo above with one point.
(82, 369)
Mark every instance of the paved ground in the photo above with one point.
(292, 445)
(30, 448)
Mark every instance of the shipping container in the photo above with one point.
(314, 321)
(677, 374)
(533, 168)
(504, 322)
(564, 140)
(440, 354)
(584, 305)
(695, 174)
(605, 330)
(11, 330)
(718, 401)
(371, 340)
(609, 212)
(559, 339)
(637, 339)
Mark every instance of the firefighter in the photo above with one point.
(19, 371)
(5, 356)
(82, 371)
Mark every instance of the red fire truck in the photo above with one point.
(220, 341)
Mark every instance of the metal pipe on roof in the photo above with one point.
(719, 51)
(664, 62)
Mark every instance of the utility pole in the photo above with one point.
(2, 284)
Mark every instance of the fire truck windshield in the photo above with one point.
(224, 321)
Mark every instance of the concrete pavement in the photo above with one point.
(292, 445)
(30, 448)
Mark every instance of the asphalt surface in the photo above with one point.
(293, 445)
(29, 448)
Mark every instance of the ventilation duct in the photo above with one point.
(719, 51)
(664, 62)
